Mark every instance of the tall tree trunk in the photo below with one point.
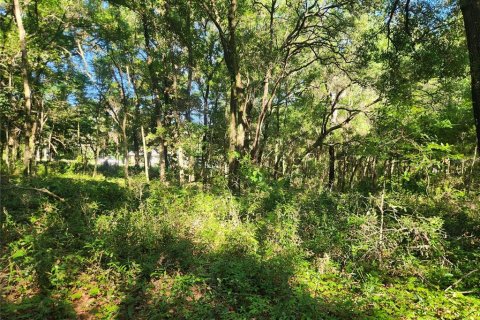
(471, 17)
(49, 150)
(276, 160)
(2, 147)
(342, 177)
(205, 139)
(8, 150)
(266, 102)
(236, 127)
(257, 147)
(9, 136)
(239, 110)
(13, 147)
(190, 61)
(159, 116)
(124, 110)
(354, 171)
(145, 156)
(95, 166)
(331, 166)
(235, 134)
(188, 117)
(125, 148)
(97, 145)
(136, 145)
(29, 134)
(190, 159)
(136, 117)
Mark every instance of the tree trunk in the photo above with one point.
(181, 165)
(234, 134)
(125, 148)
(238, 109)
(49, 150)
(344, 173)
(29, 134)
(354, 171)
(136, 119)
(97, 146)
(9, 136)
(188, 116)
(13, 147)
(95, 166)
(276, 161)
(261, 118)
(374, 172)
(2, 147)
(145, 155)
(471, 17)
(8, 150)
(154, 81)
(136, 146)
(205, 140)
(331, 166)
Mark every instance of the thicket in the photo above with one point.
(156, 251)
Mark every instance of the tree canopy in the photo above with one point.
(214, 83)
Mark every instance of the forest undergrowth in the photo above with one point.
(96, 249)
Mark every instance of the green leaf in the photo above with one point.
(76, 296)
(95, 291)
(19, 253)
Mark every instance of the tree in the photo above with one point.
(471, 18)
(30, 123)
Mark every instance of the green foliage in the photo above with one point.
(283, 253)
(382, 225)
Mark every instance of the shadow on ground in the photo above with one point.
(188, 283)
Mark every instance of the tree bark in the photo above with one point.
(238, 110)
(136, 118)
(471, 17)
(124, 121)
(331, 166)
(29, 127)
(235, 145)
(1, 146)
(145, 155)
(8, 149)
(125, 147)
(205, 138)
(136, 142)
(188, 113)
(266, 102)
(12, 152)
(236, 127)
